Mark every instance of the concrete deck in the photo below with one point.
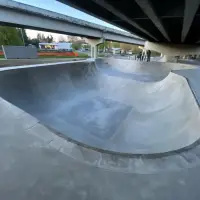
(37, 164)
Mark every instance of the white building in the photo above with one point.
(56, 46)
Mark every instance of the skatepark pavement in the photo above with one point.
(37, 163)
(110, 108)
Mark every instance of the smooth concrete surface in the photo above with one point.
(105, 107)
(155, 70)
(193, 77)
(140, 71)
(36, 164)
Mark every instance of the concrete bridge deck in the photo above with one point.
(22, 15)
(162, 21)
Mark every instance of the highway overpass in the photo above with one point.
(167, 21)
(21, 15)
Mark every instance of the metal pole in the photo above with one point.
(22, 36)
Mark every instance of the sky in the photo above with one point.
(58, 7)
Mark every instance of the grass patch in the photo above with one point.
(82, 55)
(1, 56)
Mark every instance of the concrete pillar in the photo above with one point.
(94, 43)
(169, 52)
(93, 52)
(166, 58)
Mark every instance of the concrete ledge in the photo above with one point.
(45, 64)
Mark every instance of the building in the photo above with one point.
(56, 46)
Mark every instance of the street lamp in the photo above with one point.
(22, 36)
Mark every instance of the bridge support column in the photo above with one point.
(94, 51)
(166, 58)
(169, 52)
(94, 43)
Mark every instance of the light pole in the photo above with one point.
(22, 36)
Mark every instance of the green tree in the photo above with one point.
(101, 46)
(76, 46)
(39, 37)
(42, 38)
(34, 42)
(61, 39)
(106, 45)
(49, 39)
(10, 36)
(23, 36)
(116, 45)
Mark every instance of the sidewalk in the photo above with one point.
(21, 62)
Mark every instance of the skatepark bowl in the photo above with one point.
(110, 105)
